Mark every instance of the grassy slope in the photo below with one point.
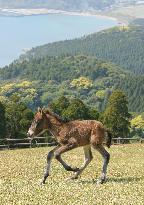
(22, 169)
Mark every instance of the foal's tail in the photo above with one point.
(108, 138)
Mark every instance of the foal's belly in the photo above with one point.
(79, 137)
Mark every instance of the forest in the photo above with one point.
(85, 71)
(16, 117)
(123, 45)
(38, 81)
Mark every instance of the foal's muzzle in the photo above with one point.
(30, 134)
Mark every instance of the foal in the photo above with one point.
(70, 135)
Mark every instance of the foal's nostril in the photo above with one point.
(28, 135)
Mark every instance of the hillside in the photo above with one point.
(64, 4)
(57, 4)
(122, 45)
(39, 81)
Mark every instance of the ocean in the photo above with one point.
(19, 34)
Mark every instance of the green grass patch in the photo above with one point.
(21, 170)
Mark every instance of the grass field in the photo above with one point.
(20, 171)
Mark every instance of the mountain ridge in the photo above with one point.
(123, 45)
(65, 4)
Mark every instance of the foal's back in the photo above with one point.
(84, 132)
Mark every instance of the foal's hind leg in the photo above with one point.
(49, 159)
(106, 157)
(62, 150)
(87, 159)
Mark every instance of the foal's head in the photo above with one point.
(39, 124)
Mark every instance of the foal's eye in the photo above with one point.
(38, 122)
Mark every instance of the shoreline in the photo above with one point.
(15, 13)
(32, 12)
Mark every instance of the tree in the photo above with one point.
(116, 116)
(18, 118)
(2, 121)
(59, 105)
(92, 114)
(137, 126)
(73, 109)
(82, 83)
(76, 110)
(138, 122)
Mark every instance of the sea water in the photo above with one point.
(18, 34)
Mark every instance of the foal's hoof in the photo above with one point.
(42, 182)
(74, 177)
(75, 169)
(101, 181)
(72, 169)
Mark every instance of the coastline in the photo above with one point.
(16, 14)
(44, 11)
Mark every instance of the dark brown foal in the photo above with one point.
(71, 135)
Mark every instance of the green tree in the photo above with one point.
(73, 109)
(2, 121)
(59, 105)
(18, 118)
(76, 110)
(137, 126)
(138, 122)
(116, 116)
(82, 83)
(92, 114)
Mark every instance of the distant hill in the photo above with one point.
(39, 81)
(122, 45)
(76, 5)
(57, 4)
(138, 22)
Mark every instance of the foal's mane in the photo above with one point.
(56, 116)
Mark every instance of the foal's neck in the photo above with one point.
(55, 125)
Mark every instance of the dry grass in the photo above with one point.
(20, 171)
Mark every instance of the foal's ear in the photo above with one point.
(43, 109)
(43, 112)
(39, 109)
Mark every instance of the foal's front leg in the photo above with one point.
(49, 159)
